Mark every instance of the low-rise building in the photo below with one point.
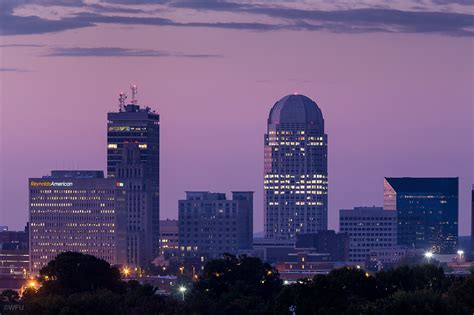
(368, 228)
(169, 238)
(211, 225)
(325, 242)
(14, 258)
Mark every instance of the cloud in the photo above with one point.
(13, 70)
(461, 2)
(383, 20)
(341, 21)
(138, 2)
(215, 5)
(20, 45)
(20, 25)
(367, 20)
(119, 52)
(113, 9)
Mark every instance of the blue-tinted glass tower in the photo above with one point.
(427, 212)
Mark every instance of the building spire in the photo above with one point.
(134, 89)
(122, 98)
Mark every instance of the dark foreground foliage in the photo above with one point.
(82, 284)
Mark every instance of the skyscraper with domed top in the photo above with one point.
(296, 169)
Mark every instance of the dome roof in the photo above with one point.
(296, 109)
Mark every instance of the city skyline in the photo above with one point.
(395, 105)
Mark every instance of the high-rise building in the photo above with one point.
(210, 225)
(295, 170)
(427, 211)
(73, 211)
(135, 199)
(139, 172)
(368, 228)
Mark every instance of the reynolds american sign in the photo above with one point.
(50, 184)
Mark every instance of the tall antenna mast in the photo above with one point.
(134, 93)
(122, 98)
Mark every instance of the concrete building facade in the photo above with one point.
(368, 228)
(73, 211)
(328, 242)
(169, 238)
(211, 225)
(133, 157)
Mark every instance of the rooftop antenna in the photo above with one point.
(134, 89)
(122, 98)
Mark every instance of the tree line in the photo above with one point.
(75, 283)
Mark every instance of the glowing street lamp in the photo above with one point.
(428, 255)
(32, 284)
(182, 289)
(126, 271)
(461, 254)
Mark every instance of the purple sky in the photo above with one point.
(395, 85)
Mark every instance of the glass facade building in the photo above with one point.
(427, 211)
(295, 169)
(139, 174)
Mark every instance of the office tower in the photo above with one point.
(140, 126)
(136, 200)
(368, 228)
(296, 171)
(427, 210)
(328, 242)
(73, 211)
(169, 238)
(210, 225)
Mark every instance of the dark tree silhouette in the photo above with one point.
(72, 272)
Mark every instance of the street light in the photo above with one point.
(182, 289)
(126, 271)
(428, 255)
(461, 254)
(32, 284)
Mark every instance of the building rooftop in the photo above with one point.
(76, 174)
(367, 211)
(424, 184)
(296, 109)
